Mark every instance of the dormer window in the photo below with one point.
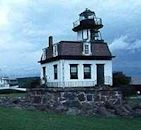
(55, 50)
(87, 49)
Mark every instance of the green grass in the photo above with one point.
(12, 95)
(16, 119)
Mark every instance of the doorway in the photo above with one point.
(100, 74)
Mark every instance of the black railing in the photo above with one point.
(97, 21)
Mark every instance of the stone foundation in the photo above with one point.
(68, 100)
(102, 101)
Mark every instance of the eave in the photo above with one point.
(76, 58)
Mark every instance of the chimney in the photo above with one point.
(50, 41)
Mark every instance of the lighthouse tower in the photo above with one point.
(88, 27)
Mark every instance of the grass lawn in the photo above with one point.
(15, 119)
(12, 95)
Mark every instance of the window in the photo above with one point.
(44, 72)
(86, 49)
(73, 71)
(87, 71)
(55, 72)
(55, 52)
(85, 34)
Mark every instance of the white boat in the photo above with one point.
(4, 82)
(7, 83)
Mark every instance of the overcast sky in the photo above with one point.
(26, 24)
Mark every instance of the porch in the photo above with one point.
(107, 81)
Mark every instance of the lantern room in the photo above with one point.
(87, 27)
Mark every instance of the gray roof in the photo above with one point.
(74, 48)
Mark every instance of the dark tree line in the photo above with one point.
(119, 78)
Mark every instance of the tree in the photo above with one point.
(120, 79)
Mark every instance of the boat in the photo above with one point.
(4, 82)
(10, 84)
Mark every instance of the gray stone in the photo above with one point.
(37, 99)
(70, 103)
(128, 107)
(122, 111)
(136, 106)
(73, 111)
(111, 111)
(69, 95)
(137, 112)
(61, 108)
(86, 106)
(81, 97)
(104, 112)
(41, 107)
(87, 109)
(16, 101)
(89, 98)
(30, 108)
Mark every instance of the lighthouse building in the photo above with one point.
(85, 62)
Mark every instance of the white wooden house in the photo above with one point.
(86, 62)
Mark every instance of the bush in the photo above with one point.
(120, 79)
(26, 82)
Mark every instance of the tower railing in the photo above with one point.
(97, 21)
(76, 23)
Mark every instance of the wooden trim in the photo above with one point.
(77, 58)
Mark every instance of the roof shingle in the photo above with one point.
(75, 48)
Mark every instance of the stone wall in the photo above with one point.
(74, 100)
(103, 101)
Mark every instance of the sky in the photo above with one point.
(26, 24)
